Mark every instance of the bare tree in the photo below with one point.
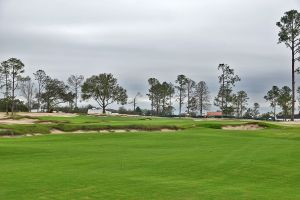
(135, 100)
(41, 78)
(27, 91)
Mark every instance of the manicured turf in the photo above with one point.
(200, 162)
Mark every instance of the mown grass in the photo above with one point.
(200, 162)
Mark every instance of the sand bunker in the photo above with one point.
(5, 119)
(56, 131)
(48, 114)
(243, 127)
(19, 121)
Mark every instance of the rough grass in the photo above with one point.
(95, 123)
(84, 122)
(200, 162)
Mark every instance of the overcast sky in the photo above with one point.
(139, 39)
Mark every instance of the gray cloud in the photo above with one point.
(136, 40)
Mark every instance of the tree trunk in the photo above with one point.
(6, 94)
(170, 104)
(201, 105)
(157, 107)
(13, 94)
(151, 104)
(76, 93)
(223, 92)
(180, 102)
(39, 98)
(188, 100)
(293, 82)
(201, 110)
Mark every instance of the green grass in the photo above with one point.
(200, 162)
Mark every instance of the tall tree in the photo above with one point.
(152, 82)
(17, 68)
(41, 78)
(256, 107)
(157, 96)
(272, 97)
(171, 92)
(104, 89)
(27, 91)
(75, 82)
(160, 95)
(165, 90)
(5, 72)
(201, 97)
(190, 90)
(240, 100)
(285, 100)
(289, 34)
(298, 90)
(227, 81)
(182, 82)
(54, 93)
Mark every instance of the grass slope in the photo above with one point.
(196, 163)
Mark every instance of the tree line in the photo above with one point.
(161, 96)
(193, 98)
(43, 92)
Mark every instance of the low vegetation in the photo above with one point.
(22, 125)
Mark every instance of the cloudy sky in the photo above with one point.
(139, 39)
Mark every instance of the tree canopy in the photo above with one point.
(104, 89)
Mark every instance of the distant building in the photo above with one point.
(288, 118)
(214, 114)
(98, 111)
